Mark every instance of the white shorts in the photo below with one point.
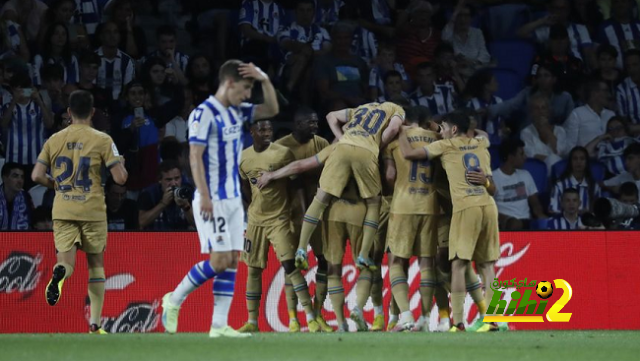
(226, 232)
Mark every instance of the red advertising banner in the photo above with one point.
(601, 267)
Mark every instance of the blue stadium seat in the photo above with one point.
(516, 55)
(503, 21)
(557, 169)
(538, 224)
(510, 83)
(495, 156)
(538, 170)
(598, 170)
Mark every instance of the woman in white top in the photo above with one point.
(468, 42)
(543, 141)
(27, 13)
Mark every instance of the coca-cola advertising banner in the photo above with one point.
(601, 267)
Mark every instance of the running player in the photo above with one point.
(304, 143)
(215, 138)
(368, 128)
(474, 225)
(76, 156)
(269, 222)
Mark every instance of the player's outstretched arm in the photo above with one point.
(392, 130)
(407, 151)
(270, 107)
(39, 175)
(293, 168)
(336, 119)
(390, 172)
(197, 171)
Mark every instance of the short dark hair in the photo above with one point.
(9, 166)
(230, 70)
(632, 149)
(20, 80)
(592, 86)
(571, 191)
(460, 119)
(90, 58)
(392, 73)
(629, 189)
(52, 72)
(631, 52)
(509, 147)
(443, 48)
(81, 104)
(300, 2)
(412, 115)
(303, 111)
(165, 30)
(558, 32)
(170, 149)
(166, 166)
(607, 49)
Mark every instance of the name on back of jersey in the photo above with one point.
(75, 146)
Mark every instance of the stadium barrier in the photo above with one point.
(602, 268)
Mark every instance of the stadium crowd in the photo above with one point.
(555, 84)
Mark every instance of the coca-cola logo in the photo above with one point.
(20, 273)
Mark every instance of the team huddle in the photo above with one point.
(393, 181)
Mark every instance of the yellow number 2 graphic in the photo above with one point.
(554, 315)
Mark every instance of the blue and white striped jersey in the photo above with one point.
(440, 103)
(611, 153)
(181, 60)
(88, 13)
(263, 16)
(26, 133)
(114, 74)
(491, 125)
(314, 35)
(560, 223)
(583, 189)
(327, 16)
(219, 130)
(71, 70)
(376, 76)
(364, 45)
(628, 96)
(620, 36)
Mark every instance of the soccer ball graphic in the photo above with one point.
(544, 289)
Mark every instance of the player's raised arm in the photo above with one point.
(336, 119)
(407, 151)
(270, 107)
(293, 168)
(392, 130)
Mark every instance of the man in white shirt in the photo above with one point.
(542, 140)
(589, 121)
(516, 193)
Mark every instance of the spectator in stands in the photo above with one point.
(200, 78)
(439, 99)
(62, 11)
(340, 77)
(448, 69)
(122, 213)
(26, 118)
(468, 42)
(608, 72)
(632, 174)
(41, 219)
(327, 12)
(158, 208)
(384, 63)
(89, 64)
(132, 40)
(543, 140)
(569, 219)
(164, 89)
(621, 30)
(177, 127)
(56, 50)
(628, 195)
(12, 41)
(116, 68)
(301, 42)
(609, 147)
(558, 54)
(26, 13)
(480, 94)
(587, 13)
(516, 193)
(139, 139)
(393, 87)
(15, 203)
(628, 93)
(418, 39)
(577, 175)
(51, 91)
(605, 8)
(259, 22)
(545, 85)
(364, 45)
(559, 13)
(588, 122)
(173, 59)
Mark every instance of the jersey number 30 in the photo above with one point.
(369, 120)
(81, 179)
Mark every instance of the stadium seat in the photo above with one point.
(557, 169)
(503, 21)
(516, 55)
(37, 194)
(538, 224)
(510, 83)
(495, 156)
(538, 170)
(598, 170)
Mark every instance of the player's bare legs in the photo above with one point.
(458, 292)
(309, 224)
(62, 270)
(97, 278)
(369, 231)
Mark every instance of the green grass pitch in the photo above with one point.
(538, 346)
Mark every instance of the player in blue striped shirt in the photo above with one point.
(569, 219)
(628, 93)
